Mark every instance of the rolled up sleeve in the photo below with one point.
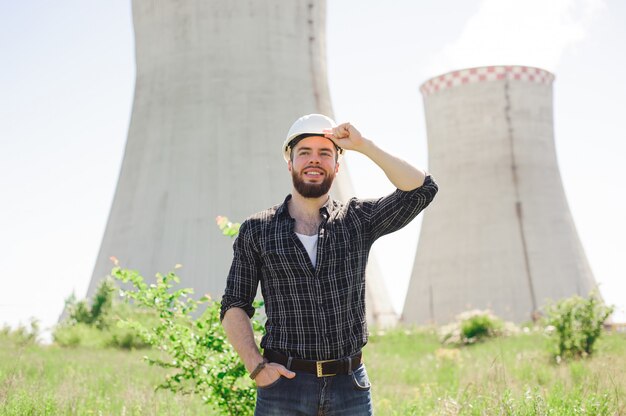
(392, 212)
(243, 277)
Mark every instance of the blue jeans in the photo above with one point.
(306, 394)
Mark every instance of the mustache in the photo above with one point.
(314, 167)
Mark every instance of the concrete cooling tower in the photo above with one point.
(500, 234)
(218, 85)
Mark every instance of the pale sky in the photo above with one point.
(66, 88)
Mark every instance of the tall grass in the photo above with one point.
(410, 372)
(412, 375)
(48, 380)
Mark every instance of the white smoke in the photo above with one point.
(516, 32)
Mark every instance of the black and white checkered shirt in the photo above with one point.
(315, 313)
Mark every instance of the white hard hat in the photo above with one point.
(314, 124)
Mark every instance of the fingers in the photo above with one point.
(282, 370)
(342, 131)
(330, 134)
(266, 377)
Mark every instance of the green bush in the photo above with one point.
(196, 348)
(479, 327)
(228, 228)
(22, 335)
(125, 337)
(97, 313)
(113, 336)
(94, 323)
(575, 324)
(79, 334)
(473, 326)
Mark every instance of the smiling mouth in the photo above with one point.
(313, 173)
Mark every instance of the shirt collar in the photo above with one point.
(282, 208)
(325, 210)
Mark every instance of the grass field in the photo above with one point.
(410, 372)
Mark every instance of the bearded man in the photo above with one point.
(309, 254)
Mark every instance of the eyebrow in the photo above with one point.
(310, 148)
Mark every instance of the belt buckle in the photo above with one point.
(320, 371)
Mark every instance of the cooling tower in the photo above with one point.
(500, 235)
(218, 85)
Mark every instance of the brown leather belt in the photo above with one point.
(323, 368)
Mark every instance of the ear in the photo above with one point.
(336, 167)
(289, 165)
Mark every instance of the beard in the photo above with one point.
(312, 190)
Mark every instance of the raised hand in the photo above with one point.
(346, 136)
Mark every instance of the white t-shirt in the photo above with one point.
(310, 244)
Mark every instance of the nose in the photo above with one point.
(314, 159)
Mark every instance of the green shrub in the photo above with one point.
(79, 334)
(22, 335)
(89, 336)
(94, 323)
(230, 229)
(196, 349)
(124, 337)
(473, 326)
(479, 327)
(97, 313)
(575, 324)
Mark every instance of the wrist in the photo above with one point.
(260, 366)
(251, 359)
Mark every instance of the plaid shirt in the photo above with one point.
(315, 313)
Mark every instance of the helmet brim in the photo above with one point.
(295, 140)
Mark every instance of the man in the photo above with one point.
(309, 254)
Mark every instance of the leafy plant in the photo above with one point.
(230, 229)
(113, 336)
(93, 323)
(22, 336)
(575, 324)
(196, 349)
(95, 314)
(473, 326)
(478, 327)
